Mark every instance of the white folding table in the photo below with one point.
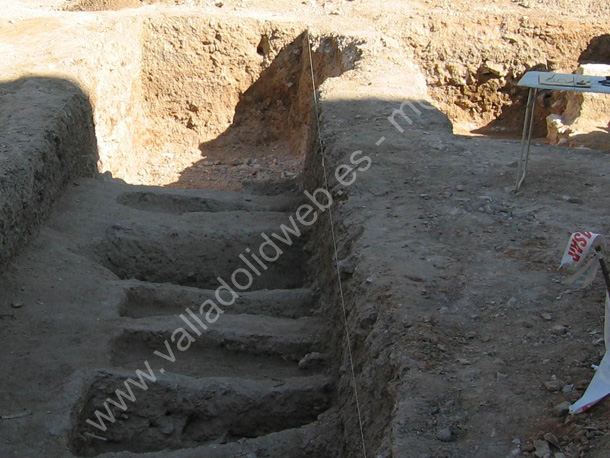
(532, 80)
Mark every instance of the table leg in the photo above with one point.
(526, 137)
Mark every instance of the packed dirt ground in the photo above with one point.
(463, 341)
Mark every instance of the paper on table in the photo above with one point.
(554, 79)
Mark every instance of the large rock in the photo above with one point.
(586, 118)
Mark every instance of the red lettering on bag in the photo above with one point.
(579, 241)
(575, 250)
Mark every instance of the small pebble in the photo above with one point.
(17, 305)
(547, 316)
(167, 429)
(583, 439)
(581, 384)
(527, 448)
(562, 408)
(551, 439)
(407, 323)
(553, 385)
(580, 434)
(312, 360)
(559, 330)
(571, 199)
(445, 435)
(542, 449)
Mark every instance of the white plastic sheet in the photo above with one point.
(576, 254)
(599, 387)
(579, 246)
(585, 276)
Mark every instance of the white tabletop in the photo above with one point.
(531, 79)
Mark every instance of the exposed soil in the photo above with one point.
(452, 324)
(101, 5)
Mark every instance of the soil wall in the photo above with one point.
(47, 138)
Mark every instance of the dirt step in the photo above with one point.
(150, 299)
(179, 202)
(179, 412)
(135, 347)
(196, 249)
(248, 346)
(314, 440)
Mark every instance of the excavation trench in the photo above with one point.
(214, 90)
(208, 103)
